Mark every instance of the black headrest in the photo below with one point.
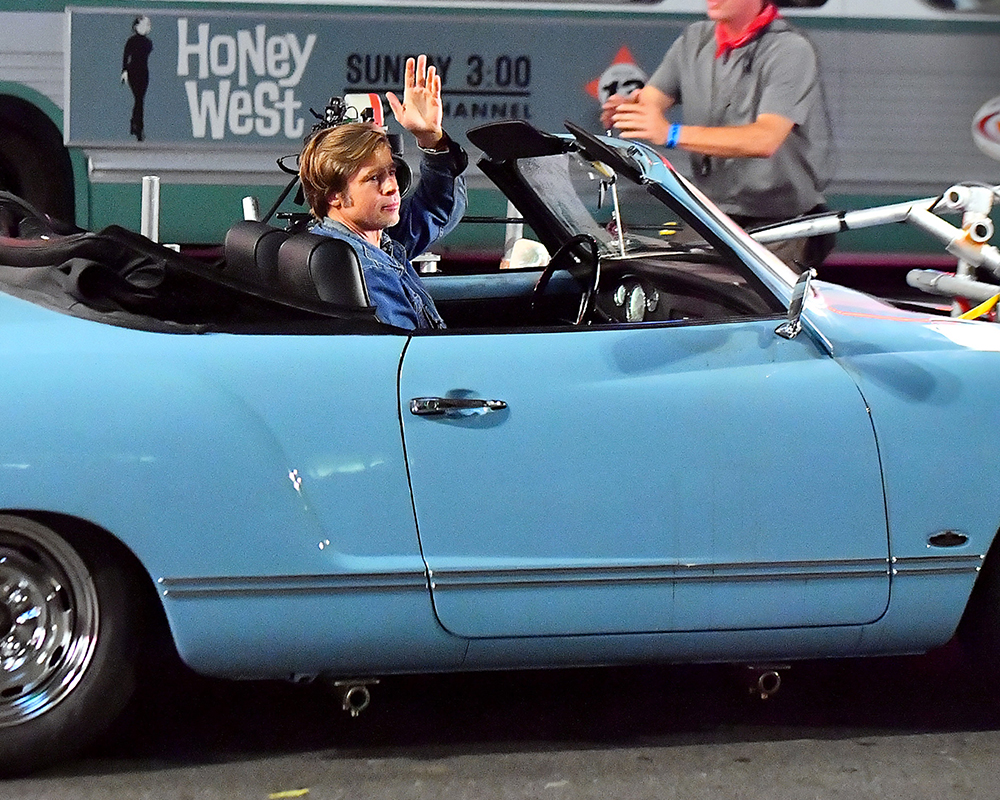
(315, 266)
(251, 251)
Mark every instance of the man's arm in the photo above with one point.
(438, 202)
(642, 117)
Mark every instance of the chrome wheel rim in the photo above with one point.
(48, 620)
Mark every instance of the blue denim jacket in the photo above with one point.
(434, 209)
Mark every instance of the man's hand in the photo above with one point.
(611, 105)
(637, 119)
(420, 111)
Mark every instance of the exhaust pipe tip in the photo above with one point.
(354, 695)
(356, 699)
(768, 683)
(764, 681)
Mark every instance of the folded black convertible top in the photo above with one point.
(121, 278)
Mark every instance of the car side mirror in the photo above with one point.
(791, 327)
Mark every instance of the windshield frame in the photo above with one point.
(544, 207)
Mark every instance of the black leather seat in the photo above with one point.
(322, 268)
(251, 252)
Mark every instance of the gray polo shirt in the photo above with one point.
(776, 73)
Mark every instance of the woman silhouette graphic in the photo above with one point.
(135, 71)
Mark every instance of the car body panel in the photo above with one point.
(259, 479)
(930, 383)
(677, 490)
(667, 478)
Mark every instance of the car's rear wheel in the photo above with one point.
(68, 641)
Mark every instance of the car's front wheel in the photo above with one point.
(69, 622)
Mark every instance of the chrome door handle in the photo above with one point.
(436, 406)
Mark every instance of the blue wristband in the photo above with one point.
(673, 135)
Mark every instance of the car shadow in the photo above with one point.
(184, 719)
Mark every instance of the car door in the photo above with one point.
(644, 479)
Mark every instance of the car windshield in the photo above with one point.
(666, 254)
(589, 197)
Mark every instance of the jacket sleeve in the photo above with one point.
(438, 202)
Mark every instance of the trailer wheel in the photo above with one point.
(34, 163)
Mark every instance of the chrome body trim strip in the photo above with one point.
(535, 577)
(569, 576)
(938, 565)
(291, 584)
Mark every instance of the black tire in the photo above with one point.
(34, 163)
(979, 630)
(69, 624)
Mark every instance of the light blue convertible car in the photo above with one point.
(654, 445)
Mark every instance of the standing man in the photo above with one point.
(349, 180)
(754, 117)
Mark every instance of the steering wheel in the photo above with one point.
(587, 270)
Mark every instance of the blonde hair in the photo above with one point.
(332, 156)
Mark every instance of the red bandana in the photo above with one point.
(725, 44)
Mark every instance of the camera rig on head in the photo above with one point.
(351, 108)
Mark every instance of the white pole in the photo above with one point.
(150, 217)
(251, 208)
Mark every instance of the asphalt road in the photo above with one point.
(907, 727)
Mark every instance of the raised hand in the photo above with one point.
(420, 110)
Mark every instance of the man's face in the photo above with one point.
(371, 200)
(733, 10)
